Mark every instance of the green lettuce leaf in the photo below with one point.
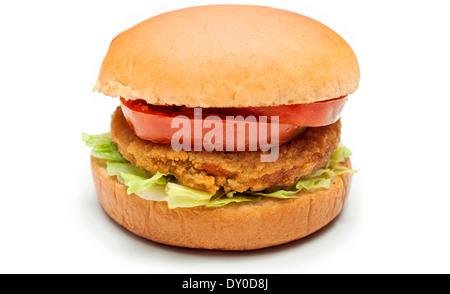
(221, 201)
(103, 147)
(281, 194)
(136, 183)
(116, 168)
(137, 180)
(182, 196)
(338, 156)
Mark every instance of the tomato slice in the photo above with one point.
(154, 123)
(315, 114)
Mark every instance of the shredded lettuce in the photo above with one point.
(281, 194)
(136, 183)
(321, 178)
(103, 147)
(160, 187)
(182, 196)
(117, 168)
(221, 201)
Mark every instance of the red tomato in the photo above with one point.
(154, 123)
(315, 114)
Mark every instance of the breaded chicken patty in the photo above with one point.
(238, 171)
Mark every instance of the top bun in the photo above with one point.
(229, 56)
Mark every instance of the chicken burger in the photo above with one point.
(227, 135)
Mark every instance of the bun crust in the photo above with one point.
(229, 56)
(237, 226)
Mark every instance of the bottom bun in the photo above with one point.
(236, 226)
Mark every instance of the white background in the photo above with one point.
(397, 216)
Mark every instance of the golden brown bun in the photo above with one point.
(237, 226)
(229, 56)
